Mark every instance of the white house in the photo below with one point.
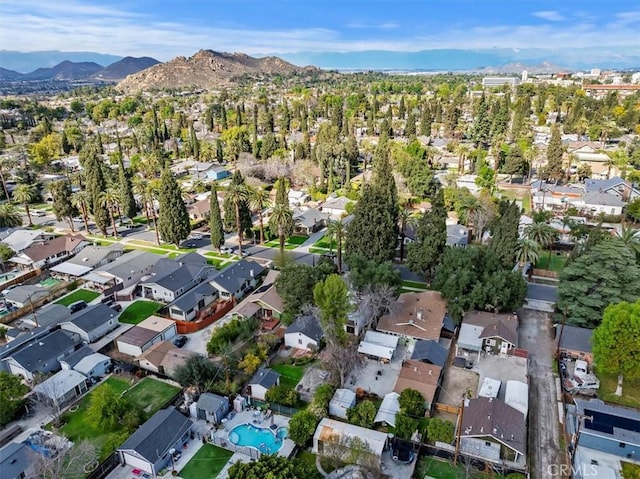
(304, 333)
(63, 387)
(261, 382)
(336, 206)
(92, 323)
(93, 366)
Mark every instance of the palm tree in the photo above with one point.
(541, 233)
(470, 206)
(109, 199)
(405, 219)
(259, 200)
(630, 237)
(338, 229)
(80, 200)
(9, 216)
(527, 251)
(238, 193)
(7, 163)
(281, 220)
(25, 194)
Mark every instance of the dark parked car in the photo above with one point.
(77, 306)
(116, 307)
(180, 341)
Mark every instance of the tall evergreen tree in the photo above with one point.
(95, 183)
(425, 121)
(63, 207)
(127, 200)
(504, 234)
(554, 170)
(431, 238)
(173, 220)
(410, 127)
(215, 220)
(482, 125)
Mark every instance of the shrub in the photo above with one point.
(362, 414)
(440, 430)
(283, 394)
(302, 426)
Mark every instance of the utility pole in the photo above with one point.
(564, 321)
(455, 457)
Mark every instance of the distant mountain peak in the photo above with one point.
(125, 67)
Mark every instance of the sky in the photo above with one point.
(165, 29)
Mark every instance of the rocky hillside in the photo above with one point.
(125, 67)
(205, 69)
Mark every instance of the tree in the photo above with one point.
(216, 226)
(95, 183)
(631, 239)
(63, 206)
(440, 430)
(259, 200)
(25, 194)
(340, 360)
(80, 200)
(71, 462)
(296, 281)
(412, 402)
(109, 199)
(127, 200)
(174, 225)
(515, 163)
(615, 341)
(482, 125)
(504, 235)
(365, 274)
(281, 221)
(527, 251)
(197, 372)
(431, 239)
(266, 467)
(107, 407)
(282, 394)
(362, 414)
(405, 425)
(12, 393)
(337, 229)
(554, 170)
(302, 426)
(606, 274)
(332, 297)
(9, 216)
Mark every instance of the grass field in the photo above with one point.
(429, 466)
(630, 390)
(289, 374)
(291, 243)
(78, 295)
(207, 463)
(138, 311)
(78, 426)
(556, 263)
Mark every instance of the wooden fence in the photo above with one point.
(55, 292)
(544, 273)
(187, 327)
(447, 408)
(20, 277)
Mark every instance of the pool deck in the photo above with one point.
(220, 437)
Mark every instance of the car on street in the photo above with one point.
(195, 236)
(227, 250)
(39, 213)
(77, 306)
(180, 341)
(78, 219)
(116, 307)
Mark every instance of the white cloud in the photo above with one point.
(550, 15)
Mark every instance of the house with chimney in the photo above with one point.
(49, 253)
(237, 280)
(171, 278)
(488, 333)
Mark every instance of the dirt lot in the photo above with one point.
(456, 383)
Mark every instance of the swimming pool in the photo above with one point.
(6, 277)
(260, 438)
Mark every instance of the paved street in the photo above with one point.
(544, 429)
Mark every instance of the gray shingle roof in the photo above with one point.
(542, 292)
(608, 420)
(78, 356)
(160, 433)
(457, 235)
(430, 351)
(493, 417)
(46, 349)
(265, 377)
(307, 325)
(604, 199)
(179, 273)
(211, 402)
(93, 317)
(231, 278)
(15, 459)
(21, 294)
(574, 338)
(50, 315)
(191, 297)
(129, 263)
(92, 255)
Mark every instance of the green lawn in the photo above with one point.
(556, 263)
(428, 466)
(215, 262)
(139, 311)
(207, 463)
(78, 426)
(78, 295)
(408, 285)
(291, 243)
(290, 374)
(630, 390)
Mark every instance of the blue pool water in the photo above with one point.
(262, 439)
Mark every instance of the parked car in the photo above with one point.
(180, 341)
(195, 236)
(39, 213)
(116, 307)
(227, 250)
(77, 306)
(78, 219)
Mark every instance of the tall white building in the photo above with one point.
(492, 82)
(525, 76)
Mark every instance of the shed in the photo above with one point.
(342, 400)
(212, 407)
(388, 409)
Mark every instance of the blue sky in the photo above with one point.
(164, 29)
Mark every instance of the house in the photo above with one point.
(304, 333)
(342, 400)
(389, 407)
(359, 318)
(163, 357)
(94, 365)
(236, 280)
(208, 171)
(417, 316)
(190, 304)
(21, 239)
(75, 357)
(336, 206)
(170, 278)
(595, 202)
(122, 274)
(309, 221)
(16, 461)
(548, 196)
(87, 260)
(493, 431)
(42, 355)
(49, 315)
(541, 297)
(151, 446)
(457, 235)
(25, 295)
(430, 351)
(200, 210)
(422, 377)
(468, 182)
(618, 187)
(49, 253)
(212, 408)
(574, 342)
(378, 345)
(332, 435)
(297, 198)
(92, 323)
(261, 382)
(145, 334)
(62, 388)
(603, 434)
(490, 333)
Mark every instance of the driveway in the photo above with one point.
(544, 427)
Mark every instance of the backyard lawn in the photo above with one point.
(443, 470)
(290, 374)
(207, 463)
(149, 395)
(78, 295)
(555, 263)
(139, 311)
(630, 390)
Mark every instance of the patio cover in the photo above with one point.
(97, 278)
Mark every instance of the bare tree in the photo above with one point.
(353, 450)
(49, 395)
(340, 360)
(378, 300)
(68, 462)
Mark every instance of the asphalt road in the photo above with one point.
(544, 427)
